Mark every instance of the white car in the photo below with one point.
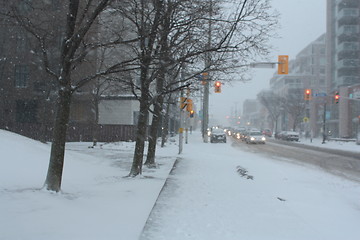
(255, 137)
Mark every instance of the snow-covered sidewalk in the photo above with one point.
(317, 142)
(218, 191)
(96, 201)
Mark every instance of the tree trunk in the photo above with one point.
(54, 174)
(96, 126)
(136, 168)
(165, 125)
(146, 45)
(150, 159)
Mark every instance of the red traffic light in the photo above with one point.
(218, 87)
(336, 97)
(307, 94)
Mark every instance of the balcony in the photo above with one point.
(348, 13)
(347, 47)
(348, 63)
(348, 30)
(341, 4)
(348, 80)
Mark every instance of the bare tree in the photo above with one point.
(240, 34)
(79, 44)
(295, 106)
(273, 103)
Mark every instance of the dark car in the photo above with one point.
(218, 135)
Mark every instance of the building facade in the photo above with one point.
(343, 66)
(28, 93)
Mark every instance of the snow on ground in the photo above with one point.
(96, 201)
(206, 198)
(346, 146)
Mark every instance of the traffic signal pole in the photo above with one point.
(324, 124)
(205, 122)
(181, 129)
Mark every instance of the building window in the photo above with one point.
(136, 117)
(26, 111)
(2, 42)
(25, 6)
(53, 4)
(21, 42)
(21, 76)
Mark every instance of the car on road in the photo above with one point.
(217, 135)
(267, 132)
(288, 136)
(255, 137)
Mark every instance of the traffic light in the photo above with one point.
(283, 64)
(217, 87)
(336, 97)
(183, 102)
(307, 94)
(189, 106)
(192, 113)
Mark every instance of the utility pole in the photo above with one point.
(324, 123)
(205, 122)
(181, 127)
(187, 117)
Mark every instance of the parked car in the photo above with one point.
(267, 132)
(217, 135)
(255, 137)
(288, 136)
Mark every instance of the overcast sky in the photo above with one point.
(302, 21)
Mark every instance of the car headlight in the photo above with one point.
(252, 139)
(263, 138)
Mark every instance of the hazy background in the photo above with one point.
(301, 22)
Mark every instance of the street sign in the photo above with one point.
(356, 95)
(320, 94)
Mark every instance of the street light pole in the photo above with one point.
(207, 81)
(205, 111)
(324, 124)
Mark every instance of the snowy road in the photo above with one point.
(218, 191)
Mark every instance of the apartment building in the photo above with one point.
(343, 65)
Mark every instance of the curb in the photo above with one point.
(162, 189)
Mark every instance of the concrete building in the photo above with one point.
(343, 65)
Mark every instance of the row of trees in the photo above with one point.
(292, 104)
(141, 46)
